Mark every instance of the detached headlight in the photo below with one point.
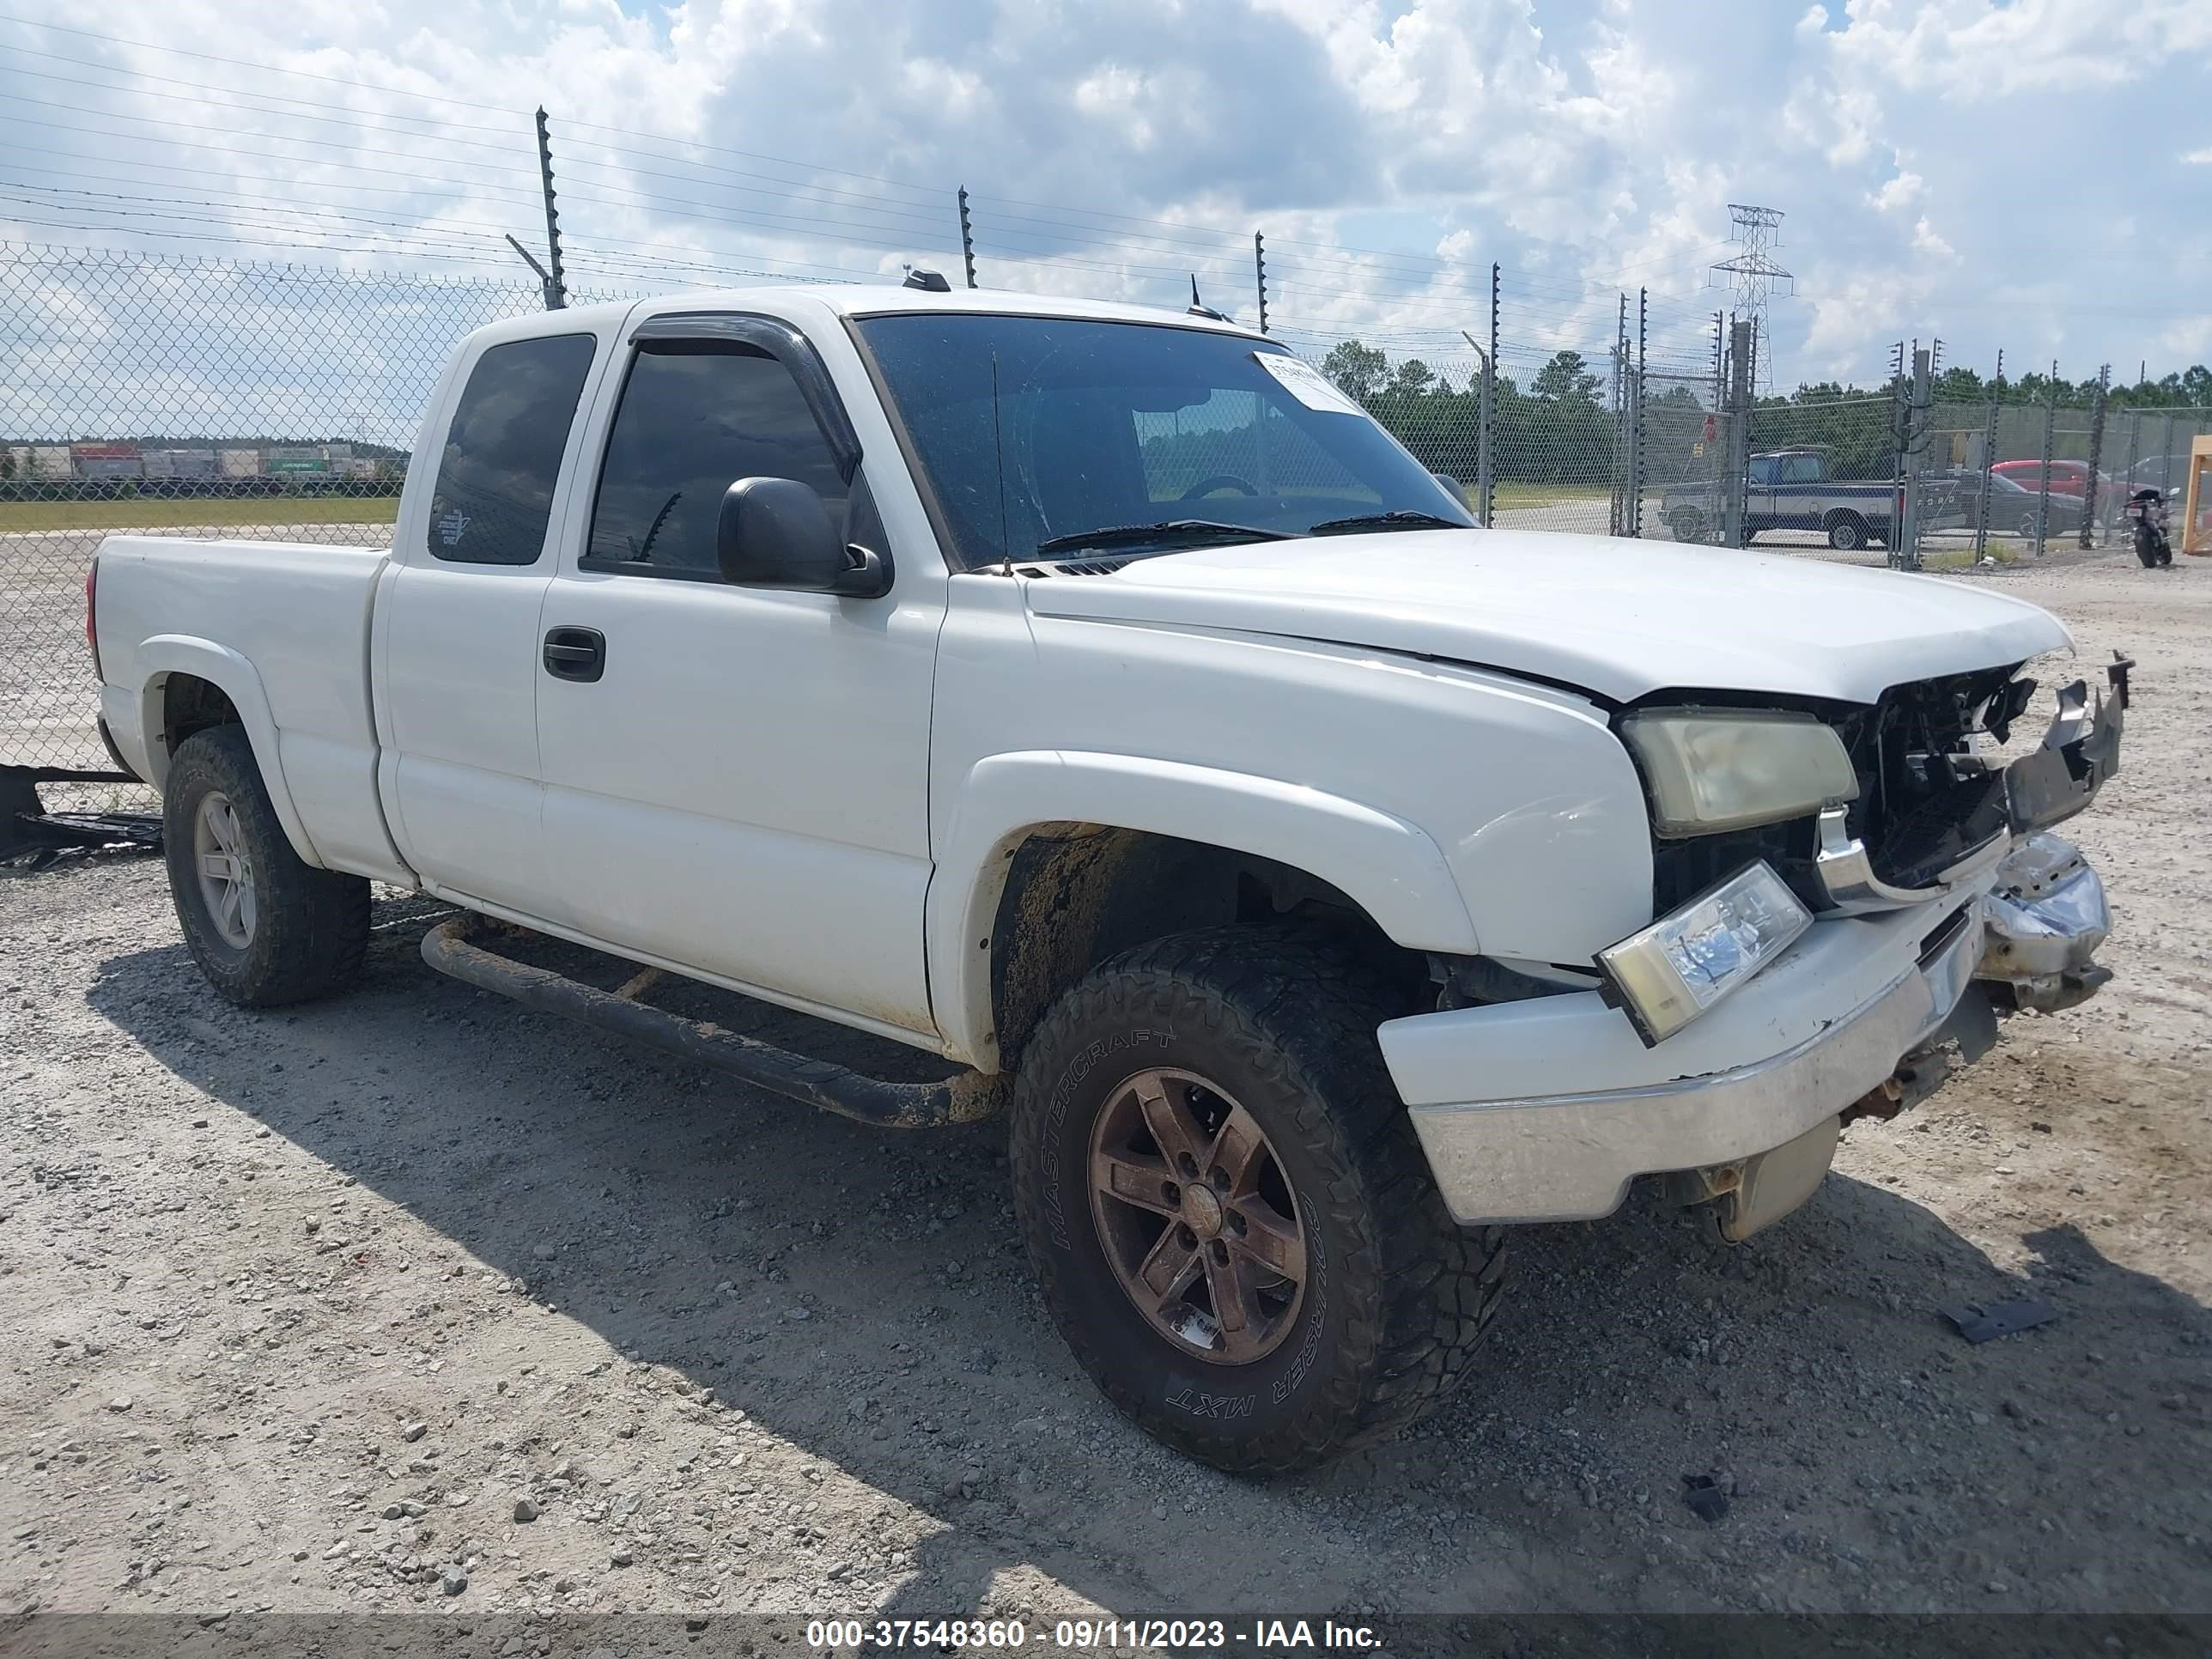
(1711, 769)
(1674, 970)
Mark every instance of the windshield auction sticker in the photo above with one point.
(1306, 383)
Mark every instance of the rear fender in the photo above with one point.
(237, 679)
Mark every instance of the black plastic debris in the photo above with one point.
(1983, 1324)
(1707, 1498)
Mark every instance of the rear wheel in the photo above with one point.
(1229, 1217)
(265, 926)
(1847, 533)
(1687, 525)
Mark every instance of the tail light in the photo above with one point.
(91, 610)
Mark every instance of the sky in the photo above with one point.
(2033, 176)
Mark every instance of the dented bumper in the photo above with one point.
(1545, 1109)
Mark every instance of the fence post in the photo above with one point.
(1488, 464)
(968, 240)
(2167, 451)
(2043, 490)
(1635, 446)
(1905, 553)
(2134, 446)
(1618, 507)
(1259, 276)
(1982, 490)
(1738, 432)
(1617, 474)
(1482, 502)
(2096, 455)
(556, 286)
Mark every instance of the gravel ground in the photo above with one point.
(415, 1296)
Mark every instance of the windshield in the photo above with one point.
(1136, 429)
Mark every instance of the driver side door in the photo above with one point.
(736, 778)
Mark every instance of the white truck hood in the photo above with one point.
(1617, 619)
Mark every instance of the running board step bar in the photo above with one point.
(968, 1097)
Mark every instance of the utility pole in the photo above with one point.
(1260, 274)
(967, 238)
(1752, 273)
(556, 287)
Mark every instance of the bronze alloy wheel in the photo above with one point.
(1196, 1218)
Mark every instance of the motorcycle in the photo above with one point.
(2146, 515)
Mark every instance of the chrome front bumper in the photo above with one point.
(1545, 1110)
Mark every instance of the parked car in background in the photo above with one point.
(1787, 489)
(2012, 504)
(2165, 473)
(2070, 478)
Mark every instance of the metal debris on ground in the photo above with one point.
(1982, 1324)
(1707, 1499)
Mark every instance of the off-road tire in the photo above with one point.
(1396, 1294)
(310, 928)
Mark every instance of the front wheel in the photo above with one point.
(1229, 1217)
(265, 926)
(1687, 525)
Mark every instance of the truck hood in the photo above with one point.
(1620, 619)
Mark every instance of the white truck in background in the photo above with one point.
(1097, 698)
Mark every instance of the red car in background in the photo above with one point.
(2067, 477)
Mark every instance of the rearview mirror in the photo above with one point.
(776, 532)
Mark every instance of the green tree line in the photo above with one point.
(1560, 428)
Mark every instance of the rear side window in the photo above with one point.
(694, 418)
(494, 489)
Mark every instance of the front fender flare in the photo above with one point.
(232, 674)
(1390, 868)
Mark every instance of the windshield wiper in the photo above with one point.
(1397, 518)
(1139, 535)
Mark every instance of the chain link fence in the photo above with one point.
(203, 397)
(192, 397)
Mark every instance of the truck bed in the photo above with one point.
(290, 622)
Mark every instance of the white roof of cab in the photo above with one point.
(872, 299)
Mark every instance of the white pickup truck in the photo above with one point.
(1097, 699)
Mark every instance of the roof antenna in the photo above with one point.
(1199, 307)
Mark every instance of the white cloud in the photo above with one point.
(1584, 144)
(1903, 188)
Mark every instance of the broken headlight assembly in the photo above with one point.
(1709, 770)
(1667, 975)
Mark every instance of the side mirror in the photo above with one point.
(775, 532)
(1453, 487)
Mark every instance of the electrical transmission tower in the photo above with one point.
(1754, 273)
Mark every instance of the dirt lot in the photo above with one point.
(308, 1311)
